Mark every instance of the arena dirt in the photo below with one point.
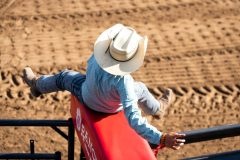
(194, 48)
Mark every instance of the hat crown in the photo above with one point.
(119, 50)
(125, 44)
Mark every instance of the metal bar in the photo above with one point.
(32, 149)
(34, 123)
(212, 133)
(42, 123)
(233, 155)
(59, 131)
(82, 155)
(28, 156)
(70, 140)
(58, 155)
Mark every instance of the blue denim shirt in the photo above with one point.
(109, 93)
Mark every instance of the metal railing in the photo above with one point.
(232, 155)
(191, 137)
(56, 156)
(211, 134)
(54, 124)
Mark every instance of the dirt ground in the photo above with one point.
(194, 48)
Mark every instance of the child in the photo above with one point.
(108, 86)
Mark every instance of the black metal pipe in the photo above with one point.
(58, 155)
(32, 147)
(82, 155)
(34, 123)
(59, 131)
(28, 156)
(70, 140)
(232, 155)
(212, 133)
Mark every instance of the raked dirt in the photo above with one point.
(194, 48)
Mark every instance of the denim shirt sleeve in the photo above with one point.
(128, 98)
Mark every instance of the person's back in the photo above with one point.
(99, 89)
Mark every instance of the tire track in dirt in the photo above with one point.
(51, 45)
(41, 36)
(192, 68)
(54, 7)
(14, 88)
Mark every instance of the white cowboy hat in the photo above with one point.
(119, 50)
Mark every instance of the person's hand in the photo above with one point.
(174, 140)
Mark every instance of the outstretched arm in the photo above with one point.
(140, 124)
(128, 98)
